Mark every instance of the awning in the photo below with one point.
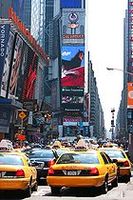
(13, 103)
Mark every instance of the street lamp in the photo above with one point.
(117, 69)
(130, 136)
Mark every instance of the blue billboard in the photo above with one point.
(4, 35)
(72, 74)
(71, 3)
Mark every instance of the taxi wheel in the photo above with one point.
(55, 190)
(35, 187)
(104, 187)
(127, 178)
(115, 182)
(28, 191)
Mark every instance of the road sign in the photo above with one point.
(22, 115)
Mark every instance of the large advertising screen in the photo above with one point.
(70, 3)
(22, 71)
(30, 75)
(72, 66)
(73, 26)
(17, 58)
(7, 63)
(4, 36)
(130, 95)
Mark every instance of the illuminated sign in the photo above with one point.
(72, 66)
(27, 34)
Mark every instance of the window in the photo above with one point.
(104, 158)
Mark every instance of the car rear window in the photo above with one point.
(115, 154)
(10, 160)
(41, 154)
(89, 158)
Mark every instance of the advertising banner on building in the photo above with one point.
(22, 71)
(70, 3)
(30, 75)
(72, 66)
(73, 26)
(17, 58)
(4, 36)
(130, 96)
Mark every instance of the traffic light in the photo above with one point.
(112, 123)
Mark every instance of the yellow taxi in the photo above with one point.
(16, 173)
(119, 156)
(83, 168)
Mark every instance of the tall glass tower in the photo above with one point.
(21, 7)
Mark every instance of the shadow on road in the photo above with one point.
(79, 192)
(6, 195)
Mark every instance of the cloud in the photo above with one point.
(66, 53)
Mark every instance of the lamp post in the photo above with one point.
(130, 133)
(112, 123)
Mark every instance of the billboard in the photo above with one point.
(22, 71)
(17, 58)
(4, 36)
(30, 75)
(73, 26)
(72, 100)
(130, 96)
(72, 66)
(70, 3)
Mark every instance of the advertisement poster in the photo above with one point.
(17, 58)
(22, 71)
(72, 66)
(73, 26)
(30, 75)
(4, 36)
(6, 69)
(71, 3)
(130, 96)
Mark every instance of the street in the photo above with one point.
(124, 191)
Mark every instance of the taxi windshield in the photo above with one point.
(84, 158)
(115, 154)
(41, 154)
(10, 160)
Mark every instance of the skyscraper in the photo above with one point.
(22, 9)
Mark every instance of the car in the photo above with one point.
(122, 160)
(42, 159)
(16, 173)
(84, 168)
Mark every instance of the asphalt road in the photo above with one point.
(124, 191)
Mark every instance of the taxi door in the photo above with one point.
(111, 168)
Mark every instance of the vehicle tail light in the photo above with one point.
(93, 171)
(20, 173)
(51, 162)
(126, 164)
(50, 171)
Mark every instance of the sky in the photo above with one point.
(105, 38)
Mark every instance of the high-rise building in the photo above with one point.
(22, 9)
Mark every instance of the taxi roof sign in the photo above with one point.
(6, 145)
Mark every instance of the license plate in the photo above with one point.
(71, 172)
